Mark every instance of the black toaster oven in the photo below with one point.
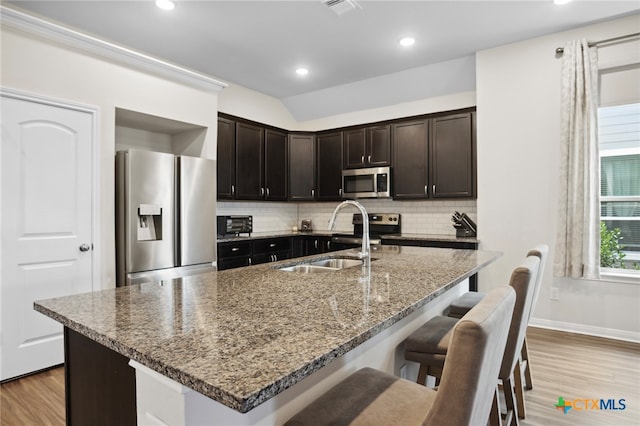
(235, 225)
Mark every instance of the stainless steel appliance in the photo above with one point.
(165, 215)
(305, 225)
(371, 182)
(235, 225)
(379, 224)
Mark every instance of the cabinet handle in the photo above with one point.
(272, 245)
(340, 192)
(233, 190)
(235, 249)
(313, 192)
(249, 261)
(369, 159)
(315, 244)
(261, 192)
(362, 160)
(267, 192)
(425, 190)
(275, 257)
(328, 245)
(434, 189)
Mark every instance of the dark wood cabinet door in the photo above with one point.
(378, 152)
(410, 160)
(317, 245)
(226, 159)
(302, 167)
(367, 147)
(275, 165)
(329, 166)
(355, 142)
(452, 156)
(249, 162)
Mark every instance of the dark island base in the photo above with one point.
(100, 386)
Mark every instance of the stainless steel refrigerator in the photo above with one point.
(165, 216)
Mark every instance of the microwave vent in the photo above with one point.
(340, 7)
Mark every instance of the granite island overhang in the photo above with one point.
(242, 336)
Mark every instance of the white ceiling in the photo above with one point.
(259, 44)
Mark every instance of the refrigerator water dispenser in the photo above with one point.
(149, 222)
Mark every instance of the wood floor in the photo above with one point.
(565, 365)
(34, 400)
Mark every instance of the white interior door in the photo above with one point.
(46, 161)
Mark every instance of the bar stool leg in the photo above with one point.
(422, 375)
(517, 382)
(527, 365)
(495, 417)
(509, 398)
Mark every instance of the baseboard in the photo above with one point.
(610, 333)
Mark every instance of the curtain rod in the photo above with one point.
(560, 50)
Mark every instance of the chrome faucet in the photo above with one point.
(365, 253)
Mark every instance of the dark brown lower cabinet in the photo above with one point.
(100, 386)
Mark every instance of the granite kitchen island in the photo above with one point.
(255, 345)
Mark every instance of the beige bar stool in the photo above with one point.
(371, 397)
(430, 344)
(464, 303)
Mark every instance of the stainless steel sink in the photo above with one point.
(307, 269)
(337, 263)
(313, 266)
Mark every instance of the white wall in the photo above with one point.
(40, 67)
(518, 94)
(246, 103)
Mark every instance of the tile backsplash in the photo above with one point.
(420, 217)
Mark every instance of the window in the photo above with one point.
(619, 138)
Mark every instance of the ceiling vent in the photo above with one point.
(340, 7)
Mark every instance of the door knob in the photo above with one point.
(85, 247)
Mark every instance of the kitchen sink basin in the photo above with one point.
(314, 266)
(307, 269)
(337, 263)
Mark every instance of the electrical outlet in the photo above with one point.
(554, 293)
(403, 371)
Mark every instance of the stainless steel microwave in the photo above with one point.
(372, 182)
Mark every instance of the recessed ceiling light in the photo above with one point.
(302, 71)
(407, 41)
(165, 4)
(561, 1)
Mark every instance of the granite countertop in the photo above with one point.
(244, 335)
(274, 234)
(430, 237)
(322, 233)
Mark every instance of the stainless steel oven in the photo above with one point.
(379, 224)
(372, 182)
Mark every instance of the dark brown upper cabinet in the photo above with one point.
(302, 167)
(452, 155)
(329, 165)
(249, 162)
(435, 157)
(226, 159)
(367, 147)
(276, 162)
(252, 161)
(432, 156)
(410, 159)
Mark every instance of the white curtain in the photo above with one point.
(578, 237)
